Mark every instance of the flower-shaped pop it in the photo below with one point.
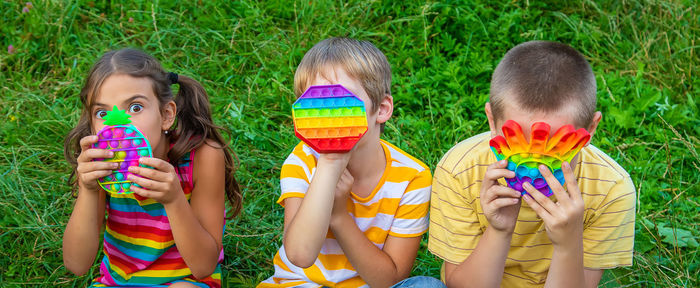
(524, 157)
(329, 118)
(128, 144)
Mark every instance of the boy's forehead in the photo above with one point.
(556, 119)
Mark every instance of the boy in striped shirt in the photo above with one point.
(350, 219)
(482, 230)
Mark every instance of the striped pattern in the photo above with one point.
(457, 220)
(398, 206)
(138, 242)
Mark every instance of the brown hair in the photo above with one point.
(193, 126)
(360, 59)
(544, 76)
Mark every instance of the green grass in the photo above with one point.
(644, 53)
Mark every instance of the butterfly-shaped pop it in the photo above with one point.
(329, 118)
(128, 145)
(524, 158)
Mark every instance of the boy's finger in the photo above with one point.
(539, 210)
(497, 173)
(499, 191)
(542, 200)
(554, 184)
(571, 184)
(504, 202)
(87, 141)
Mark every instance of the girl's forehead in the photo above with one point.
(119, 87)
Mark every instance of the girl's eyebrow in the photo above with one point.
(132, 98)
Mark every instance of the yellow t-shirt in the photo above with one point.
(457, 219)
(398, 206)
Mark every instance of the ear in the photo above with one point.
(168, 114)
(492, 122)
(386, 109)
(597, 116)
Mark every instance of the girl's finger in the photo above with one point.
(91, 154)
(87, 141)
(542, 200)
(554, 184)
(539, 210)
(157, 164)
(571, 184)
(147, 183)
(143, 192)
(94, 175)
(148, 173)
(97, 165)
(498, 191)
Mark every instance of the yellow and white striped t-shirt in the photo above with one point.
(398, 206)
(457, 219)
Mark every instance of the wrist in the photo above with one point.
(500, 234)
(337, 219)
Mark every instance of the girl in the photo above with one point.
(168, 232)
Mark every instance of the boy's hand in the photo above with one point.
(88, 171)
(501, 204)
(342, 192)
(564, 219)
(161, 183)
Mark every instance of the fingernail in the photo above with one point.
(515, 200)
(110, 153)
(566, 164)
(503, 162)
(115, 165)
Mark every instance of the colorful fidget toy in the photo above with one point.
(128, 144)
(329, 118)
(524, 157)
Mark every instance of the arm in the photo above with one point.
(564, 224)
(387, 266)
(197, 226)
(485, 265)
(82, 235)
(307, 220)
(379, 268)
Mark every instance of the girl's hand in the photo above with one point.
(563, 219)
(342, 192)
(88, 171)
(501, 204)
(161, 183)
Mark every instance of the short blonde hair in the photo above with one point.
(360, 59)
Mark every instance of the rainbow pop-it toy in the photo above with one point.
(524, 158)
(329, 118)
(128, 144)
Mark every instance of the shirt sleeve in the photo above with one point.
(454, 225)
(295, 175)
(411, 217)
(608, 239)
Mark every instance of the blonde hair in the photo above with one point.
(360, 59)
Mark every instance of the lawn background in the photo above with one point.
(644, 54)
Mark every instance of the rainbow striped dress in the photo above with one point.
(138, 242)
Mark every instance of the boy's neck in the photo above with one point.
(367, 162)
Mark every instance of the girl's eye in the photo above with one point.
(101, 114)
(135, 108)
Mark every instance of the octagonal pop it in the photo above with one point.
(524, 157)
(329, 118)
(128, 144)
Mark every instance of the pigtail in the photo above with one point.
(194, 125)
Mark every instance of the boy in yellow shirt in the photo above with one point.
(351, 219)
(481, 228)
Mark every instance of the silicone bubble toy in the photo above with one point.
(128, 144)
(524, 158)
(329, 118)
